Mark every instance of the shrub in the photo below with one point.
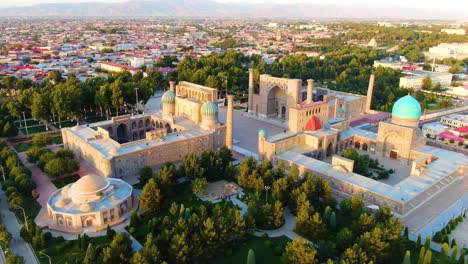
(264, 236)
(268, 243)
(278, 251)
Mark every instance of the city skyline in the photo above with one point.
(402, 3)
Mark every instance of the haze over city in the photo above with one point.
(233, 131)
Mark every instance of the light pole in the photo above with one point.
(3, 172)
(24, 214)
(266, 194)
(25, 124)
(3, 254)
(136, 99)
(50, 262)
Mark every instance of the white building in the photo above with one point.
(433, 129)
(456, 31)
(91, 203)
(461, 91)
(137, 62)
(454, 120)
(415, 79)
(445, 50)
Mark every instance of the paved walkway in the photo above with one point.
(286, 230)
(18, 245)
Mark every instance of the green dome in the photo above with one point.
(262, 133)
(341, 110)
(209, 109)
(168, 97)
(407, 107)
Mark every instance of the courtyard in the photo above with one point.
(216, 191)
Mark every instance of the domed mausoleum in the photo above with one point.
(209, 113)
(406, 111)
(92, 201)
(397, 138)
(168, 101)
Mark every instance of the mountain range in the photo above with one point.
(211, 9)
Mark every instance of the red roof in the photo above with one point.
(449, 135)
(461, 130)
(313, 124)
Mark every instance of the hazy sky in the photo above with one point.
(446, 4)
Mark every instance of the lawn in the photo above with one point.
(65, 123)
(95, 119)
(238, 107)
(30, 122)
(263, 253)
(22, 147)
(59, 183)
(33, 130)
(60, 251)
(31, 208)
(57, 140)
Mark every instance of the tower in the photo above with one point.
(370, 90)
(261, 142)
(172, 85)
(251, 89)
(168, 99)
(310, 88)
(229, 120)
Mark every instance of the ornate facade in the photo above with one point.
(188, 123)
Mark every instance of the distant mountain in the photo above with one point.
(208, 8)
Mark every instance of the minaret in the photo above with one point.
(261, 142)
(251, 89)
(172, 85)
(337, 107)
(370, 90)
(310, 88)
(229, 121)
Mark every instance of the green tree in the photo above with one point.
(145, 174)
(199, 185)
(427, 244)
(354, 255)
(422, 253)
(14, 259)
(5, 236)
(90, 256)
(251, 257)
(407, 259)
(41, 140)
(427, 257)
(419, 241)
(278, 214)
(333, 219)
(427, 83)
(118, 251)
(299, 251)
(150, 198)
(445, 249)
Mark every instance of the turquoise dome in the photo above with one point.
(407, 107)
(168, 97)
(262, 133)
(209, 109)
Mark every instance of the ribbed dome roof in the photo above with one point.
(209, 108)
(89, 184)
(313, 124)
(407, 107)
(168, 97)
(262, 133)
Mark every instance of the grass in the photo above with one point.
(59, 183)
(95, 119)
(30, 122)
(31, 208)
(60, 251)
(65, 123)
(33, 130)
(22, 147)
(238, 107)
(263, 253)
(57, 140)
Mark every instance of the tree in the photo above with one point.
(427, 257)
(278, 214)
(199, 185)
(110, 233)
(90, 256)
(354, 255)
(41, 140)
(299, 251)
(118, 251)
(427, 83)
(461, 259)
(150, 198)
(445, 249)
(333, 219)
(251, 257)
(427, 244)
(422, 253)
(14, 259)
(418, 242)
(407, 259)
(145, 174)
(191, 167)
(5, 236)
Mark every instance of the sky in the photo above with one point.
(456, 4)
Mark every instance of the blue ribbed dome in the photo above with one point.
(168, 97)
(407, 107)
(209, 109)
(262, 132)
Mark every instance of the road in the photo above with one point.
(18, 245)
